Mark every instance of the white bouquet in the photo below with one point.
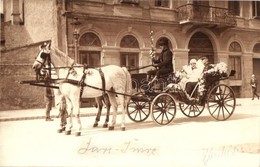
(220, 68)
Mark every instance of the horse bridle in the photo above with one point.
(42, 63)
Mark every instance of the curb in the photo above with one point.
(41, 117)
(91, 114)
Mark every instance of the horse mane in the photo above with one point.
(60, 58)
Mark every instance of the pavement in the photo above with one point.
(31, 114)
(186, 142)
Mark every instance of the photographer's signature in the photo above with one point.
(131, 146)
(229, 151)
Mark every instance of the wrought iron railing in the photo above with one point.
(206, 14)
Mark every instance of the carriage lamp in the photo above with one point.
(76, 23)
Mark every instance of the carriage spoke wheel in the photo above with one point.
(221, 102)
(138, 111)
(191, 110)
(163, 109)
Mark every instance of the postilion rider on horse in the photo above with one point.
(163, 64)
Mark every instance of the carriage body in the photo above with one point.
(163, 100)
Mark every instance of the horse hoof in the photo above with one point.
(68, 132)
(123, 128)
(95, 125)
(59, 130)
(78, 133)
(105, 126)
(111, 128)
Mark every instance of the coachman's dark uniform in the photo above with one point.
(164, 62)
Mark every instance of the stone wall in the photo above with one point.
(16, 66)
(39, 24)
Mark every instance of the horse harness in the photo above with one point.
(82, 84)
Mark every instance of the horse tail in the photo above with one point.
(128, 86)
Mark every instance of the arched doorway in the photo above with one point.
(201, 46)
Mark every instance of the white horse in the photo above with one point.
(117, 83)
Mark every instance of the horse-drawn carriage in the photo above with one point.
(158, 100)
(162, 100)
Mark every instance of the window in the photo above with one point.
(235, 59)
(234, 7)
(256, 48)
(129, 56)
(129, 41)
(235, 47)
(90, 58)
(235, 64)
(130, 1)
(90, 49)
(202, 3)
(89, 39)
(129, 60)
(162, 3)
(256, 9)
(201, 9)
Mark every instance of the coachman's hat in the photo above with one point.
(163, 42)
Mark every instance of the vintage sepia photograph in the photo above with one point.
(130, 83)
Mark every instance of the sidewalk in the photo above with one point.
(28, 114)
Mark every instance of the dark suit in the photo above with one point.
(49, 101)
(163, 64)
(254, 83)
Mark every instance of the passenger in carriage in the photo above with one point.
(192, 76)
(163, 63)
(203, 64)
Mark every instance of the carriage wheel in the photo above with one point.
(221, 102)
(163, 109)
(191, 110)
(138, 111)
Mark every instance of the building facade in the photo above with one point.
(122, 32)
